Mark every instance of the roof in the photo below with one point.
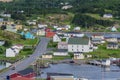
(21, 78)
(50, 34)
(62, 43)
(82, 41)
(73, 32)
(59, 74)
(61, 50)
(112, 43)
(26, 71)
(77, 53)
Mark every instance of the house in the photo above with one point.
(78, 55)
(42, 25)
(62, 28)
(111, 39)
(56, 38)
(67, 7)
(112, 45)
(18, 27)
(28, 35)
(2, 42)
(60, 76)
(40, 32)
(5, 22)
(49, 34)
(13, 51)
(27, 74)
(62, 45)
(11, 28)
(31, 22)
(77, 28)
(107, 16)
(21, 78)
(73, 34)
(6, 15)
(6, 0)
(97, 39)
(47, 56)
(10, 52)
(113, 29)
(61, 52)
(80, 45)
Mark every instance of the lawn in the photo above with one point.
(102, 52)
(27, 42)
(61, 57)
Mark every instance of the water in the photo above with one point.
(86, 71)
(4, 65)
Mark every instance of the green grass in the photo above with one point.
(102, 52)
(61, 57)
(52, 44)
(27, 42)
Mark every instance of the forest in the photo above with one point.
(79, 8)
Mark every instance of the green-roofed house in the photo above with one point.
(80, 45)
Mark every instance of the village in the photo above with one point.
(65, 44)
(32, 45)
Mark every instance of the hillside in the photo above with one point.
(31, 8)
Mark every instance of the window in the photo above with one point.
(82, 49)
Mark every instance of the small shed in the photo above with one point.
(78, 55)
(47, 56)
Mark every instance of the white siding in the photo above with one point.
(60, 53)
(56, 38)
(79, 48)
(10, 53)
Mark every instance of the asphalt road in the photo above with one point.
(40, 49)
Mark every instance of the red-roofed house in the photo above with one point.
(50, 34)
(26, 73)
(22, 78)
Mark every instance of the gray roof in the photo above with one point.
(61, 50)
(82, 41)
(59, 74)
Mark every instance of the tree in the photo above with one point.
(7, 44)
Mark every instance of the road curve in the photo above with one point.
(40, 49)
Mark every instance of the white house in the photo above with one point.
(2, 42)
(73, 34)
(77, 28)
(55, 27)
(40, 32)
(56, 38)
(61, 52)
(108, 16)
(67, 7)
(113, 29)
(62, 45)
(42, 25)
(6, 15)
(13, 51)
(10, 52)
(31, 22)
(80, 45)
